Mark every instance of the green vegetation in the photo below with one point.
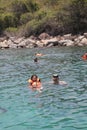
(32, 17)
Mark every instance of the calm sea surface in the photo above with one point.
(57, 107)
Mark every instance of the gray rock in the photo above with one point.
(67, 37)
(80, 38)
(4, 44)
(44, 36)
(53, 41)
(85, 35)
(84, 41)
(19, 40)
(66, 43)
(13, 46)
(27, 43)
(40, 44)
(79, 44)
(50, 45)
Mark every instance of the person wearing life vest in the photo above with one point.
(84, 57)
(35, 83)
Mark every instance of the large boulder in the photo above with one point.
(33, 37)
(44, 36)
(27, 43)
(3, 38)
(22, 44)
(66, 43)
(80, 37)
(67, 37)
(84, 41)
(79, 44)
(9, 42)
(40, 43)
(13, 46)
(4, 44)
(19, 40)
(52, 41)
(85, 34)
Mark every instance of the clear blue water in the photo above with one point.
(57, 107)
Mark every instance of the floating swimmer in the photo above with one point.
(57, 81)
(84, 57)
(35, 83)
(38, 54)
(36, 60)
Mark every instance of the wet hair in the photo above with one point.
(33, 76)
(36, 59)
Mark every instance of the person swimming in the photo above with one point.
(56, 80)
(38, 54)
(36, 60)
(84, 57)
(35, 83)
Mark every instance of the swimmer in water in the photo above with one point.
(56, 80)
(36, 60)
(35, 83)
(84, 57)
(38, 54)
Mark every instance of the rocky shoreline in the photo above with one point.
(43, 40)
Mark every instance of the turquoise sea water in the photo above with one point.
(57, 107)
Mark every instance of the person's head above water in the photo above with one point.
(55, 78)
(35, 83)
(36, 59)
(34, 77)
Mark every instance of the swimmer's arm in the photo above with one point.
(62, 83)
(30, 86)
(40, 88)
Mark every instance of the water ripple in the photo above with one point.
(57, 107)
